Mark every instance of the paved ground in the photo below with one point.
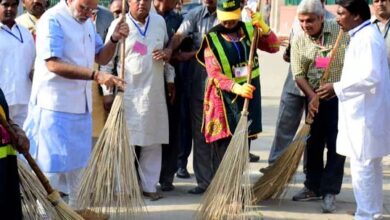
(179, 205)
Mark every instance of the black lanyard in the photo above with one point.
(386, 28)
(20, 38)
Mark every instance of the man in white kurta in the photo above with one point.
(59, 118)
(144, 100)
(17, 54)
(364, 104)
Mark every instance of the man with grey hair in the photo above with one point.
(292, 103)
(310, 56)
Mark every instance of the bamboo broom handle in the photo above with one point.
(34, 166)
(123, 44)
(324, 78)
(251, 56)
(332, 56)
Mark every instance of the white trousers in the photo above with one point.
(150, 167)
(18, 114)
(367, 178)
(67, 183)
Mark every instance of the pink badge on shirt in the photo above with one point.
(322, 62)
(140, 48)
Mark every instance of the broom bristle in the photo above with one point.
(35, 204)
(109, 184)
(64, 211)
(275, 180)
(229, 195)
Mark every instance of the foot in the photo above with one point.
(91, 215)
(351, 212)
(183, 173)
(154, 196)
(253, 158)
(167, 186)
(265, 169)
(197, 190)
(329, 203)
(306, 194)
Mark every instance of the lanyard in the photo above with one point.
(142, 33)
(365, 25)
(20, 38)
(386, 28)
(320, 41)
(32, 21)
(236, 47)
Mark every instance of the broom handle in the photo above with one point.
(251, 56)
(34, 166)
(324, 78)
(123, 45)
(332, 56)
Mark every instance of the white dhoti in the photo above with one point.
(18, 113)
(367, 185)
(61, 144)
(150, 167)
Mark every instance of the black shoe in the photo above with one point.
(253, 158)
(197, 190)
(306, 194)
(167, 187)
(183, 173)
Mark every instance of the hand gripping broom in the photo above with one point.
(229, 194)
(109, 184)
(274, 181)
(64, 212)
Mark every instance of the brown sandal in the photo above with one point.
(154, 196)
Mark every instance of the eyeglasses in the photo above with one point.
(88, 9)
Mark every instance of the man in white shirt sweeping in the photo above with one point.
(59, 119)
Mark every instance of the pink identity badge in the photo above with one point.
(322, 62)
(140, 48)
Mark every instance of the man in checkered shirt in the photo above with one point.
(310, 56)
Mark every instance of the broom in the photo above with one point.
(275, 180)
(229, 194)
(63, 210)
(111, 171)
(34, 202)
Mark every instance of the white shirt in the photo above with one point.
(60, 35)
(17, 54)
(364, 96)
